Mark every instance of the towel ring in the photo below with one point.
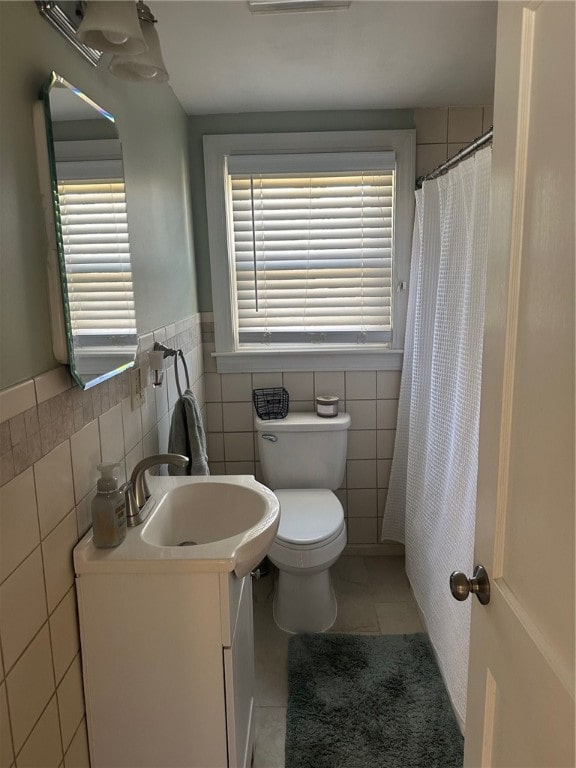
(175, 353)
(180, 354)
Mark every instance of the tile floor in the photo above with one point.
(374, 597)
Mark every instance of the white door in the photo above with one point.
(521, 680)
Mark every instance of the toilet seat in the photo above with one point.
(290, 545)
(317, 557)
(309, 517)
(312, 531)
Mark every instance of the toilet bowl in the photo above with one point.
(310, 538)
(303, 460)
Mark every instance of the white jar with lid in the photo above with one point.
(327, 406)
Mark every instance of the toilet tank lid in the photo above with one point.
(301, 422)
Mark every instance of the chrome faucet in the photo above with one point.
(136, 489)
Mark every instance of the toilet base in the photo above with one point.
(305, 602)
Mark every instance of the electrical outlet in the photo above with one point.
(137, 388)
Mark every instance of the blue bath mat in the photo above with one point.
(368, 701)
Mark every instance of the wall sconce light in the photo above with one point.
(112, 27)
(65, 16)
(147, 66)
(121, 27)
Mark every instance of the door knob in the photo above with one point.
(479, 584)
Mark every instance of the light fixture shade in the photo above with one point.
(147, 67)
(112, 26)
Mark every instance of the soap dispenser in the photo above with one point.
(108, 509)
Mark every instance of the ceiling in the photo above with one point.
(378, 54)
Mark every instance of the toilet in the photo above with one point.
(303, 459)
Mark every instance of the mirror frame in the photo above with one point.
(61, 319)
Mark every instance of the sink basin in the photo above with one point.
(203, 513)
(207, 524)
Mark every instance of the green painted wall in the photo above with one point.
(154, 133)
(266, 122)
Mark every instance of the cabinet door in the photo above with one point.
(239, 683)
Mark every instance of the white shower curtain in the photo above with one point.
(431, 503)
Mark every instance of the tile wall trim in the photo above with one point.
(17, 399)
(40, 413)
(52, 383)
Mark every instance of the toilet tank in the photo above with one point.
(303, 450)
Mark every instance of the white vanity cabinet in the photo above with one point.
(168, 662)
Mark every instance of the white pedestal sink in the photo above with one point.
(232, 518)
(166, 630)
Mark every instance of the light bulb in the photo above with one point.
(117, 38)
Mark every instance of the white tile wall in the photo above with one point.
(237, 387)
(443, 131)
(71, 701)
(362, 413)
(58, 570)
(19, 532)
(300, 386)
(464, 123)
(52, 436)
(6, 751)
(22, 607)
(64, 633)
(330, 383)
(132, 424)
(237, 417)
(362, 444)
(30, 685)
(77, 755)
(17, 400)
(52, 383)
(43, 747)
(112, 434)
(54, 487)
(371, 398)
(86, 456)
(361, 385)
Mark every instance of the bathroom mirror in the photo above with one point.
(91, 226)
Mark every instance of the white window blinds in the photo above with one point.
(94, 231)
(312, 239)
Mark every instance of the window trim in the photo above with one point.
(217, 149)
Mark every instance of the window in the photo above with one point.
(94, 243)
(94, 230)
(309, 248)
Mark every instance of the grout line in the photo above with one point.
(4, 682)
(27, 739)
(13, 571)
(80, 724)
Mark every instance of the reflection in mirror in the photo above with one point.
(89, 194)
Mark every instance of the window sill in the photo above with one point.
(372, 358)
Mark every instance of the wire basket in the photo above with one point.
(271, 403)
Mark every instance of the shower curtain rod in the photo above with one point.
(475, 145)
